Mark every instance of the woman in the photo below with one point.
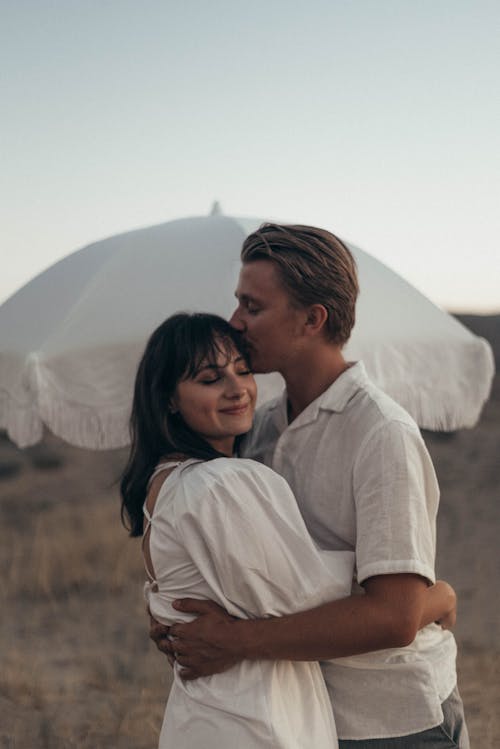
(226, 529)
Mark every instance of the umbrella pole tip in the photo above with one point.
(216, 209)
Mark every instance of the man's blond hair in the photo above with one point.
(314, 266)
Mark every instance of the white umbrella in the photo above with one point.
(70, 340)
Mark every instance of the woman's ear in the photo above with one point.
(317, 317)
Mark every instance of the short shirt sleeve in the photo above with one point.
(240, 524)
(396, 497)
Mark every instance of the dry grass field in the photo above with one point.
(76, 667)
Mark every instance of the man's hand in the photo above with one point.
(209, 644)
(159, 633)
(447, 619)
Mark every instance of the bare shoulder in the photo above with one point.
(157, 483)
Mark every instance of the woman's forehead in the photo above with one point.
(222, 353)
(218, 353)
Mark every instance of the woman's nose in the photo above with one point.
(235, 389)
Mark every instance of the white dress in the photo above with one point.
(230, 530)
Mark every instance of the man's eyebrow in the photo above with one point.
(244, 297)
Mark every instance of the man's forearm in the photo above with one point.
(387, 616)
(350, 626)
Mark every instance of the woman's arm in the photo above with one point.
(440, 606)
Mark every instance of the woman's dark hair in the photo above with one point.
(175, 351)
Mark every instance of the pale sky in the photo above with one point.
(377, 119)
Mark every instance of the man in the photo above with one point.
(364, 481)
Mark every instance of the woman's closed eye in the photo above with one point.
(209, 379)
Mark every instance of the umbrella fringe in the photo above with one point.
(21, 421)
(436, 404)
(92, 430)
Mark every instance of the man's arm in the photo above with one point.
(440, 605)
(212, 643)
(388, 615)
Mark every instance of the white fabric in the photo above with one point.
(230, 530)
(70, 340)
(364, 481)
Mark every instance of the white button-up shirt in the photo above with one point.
(364, 481)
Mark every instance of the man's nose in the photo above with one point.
(236, 321)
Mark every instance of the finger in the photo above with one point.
(179, 631)
(184, 660)
(157, 630)
(190, 650)
(195, 606)
(190, 673)
(165, 646)
(162, 643)
(178, 647)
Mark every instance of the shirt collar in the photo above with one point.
(340, 392)
(335, 398)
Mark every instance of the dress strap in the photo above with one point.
(163, 467)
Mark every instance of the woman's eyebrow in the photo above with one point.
(206, 366)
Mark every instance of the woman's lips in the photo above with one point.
(236, 410)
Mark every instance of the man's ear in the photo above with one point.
(317, 317)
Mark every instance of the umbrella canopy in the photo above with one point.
(70, 340)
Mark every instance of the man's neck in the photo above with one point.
(311, 376)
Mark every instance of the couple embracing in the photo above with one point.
(250, 585)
